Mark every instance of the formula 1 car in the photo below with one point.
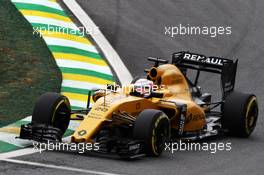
(163, 106)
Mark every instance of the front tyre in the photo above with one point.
(240, 114)
(153, 128)
(52, 109)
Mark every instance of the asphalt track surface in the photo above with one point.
(136, 30)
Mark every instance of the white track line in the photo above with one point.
(11, 139)
(65, 168)
(111, 55)
(20, 152)
(29, 118)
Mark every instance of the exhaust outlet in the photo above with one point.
(153, 73)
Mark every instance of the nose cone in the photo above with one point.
(88, 127)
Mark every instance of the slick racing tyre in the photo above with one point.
(240, 114)
(153, 128)
(52, 109)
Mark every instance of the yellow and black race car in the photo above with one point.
(162, 106)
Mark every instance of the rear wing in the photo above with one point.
(225, 67)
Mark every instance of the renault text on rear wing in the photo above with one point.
(225, 67)
(198, 59)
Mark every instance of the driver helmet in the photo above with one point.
(143, 86)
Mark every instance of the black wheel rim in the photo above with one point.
(251, 115)
(61, 117)
(160, 137)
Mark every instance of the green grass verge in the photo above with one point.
(27, 68)
(6, 147)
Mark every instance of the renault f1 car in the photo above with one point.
(162, 106)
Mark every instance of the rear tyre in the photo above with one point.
(153, 128)
(240, 114)
(52, 109)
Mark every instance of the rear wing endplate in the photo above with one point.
(225, 67)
